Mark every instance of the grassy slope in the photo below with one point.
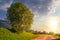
(7, 35)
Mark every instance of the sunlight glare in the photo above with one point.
(53, 23)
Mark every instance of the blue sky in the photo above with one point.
(42, 9)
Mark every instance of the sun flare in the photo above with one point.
(53, 23)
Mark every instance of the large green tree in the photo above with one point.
(20, 16)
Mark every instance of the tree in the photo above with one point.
(51, 33)
(44, 32)
(20, 17)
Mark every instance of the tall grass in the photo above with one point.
(5, 34)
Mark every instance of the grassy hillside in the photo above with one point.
(7, 35)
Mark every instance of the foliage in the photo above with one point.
(19, 16)
(57, 36)
(51, 33)
(38, 32)
(7, 35)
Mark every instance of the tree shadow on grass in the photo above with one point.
(11, 30)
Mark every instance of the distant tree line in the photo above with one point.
(41, 32)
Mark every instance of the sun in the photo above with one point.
(53, 23)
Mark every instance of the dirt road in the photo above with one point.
(44, 37)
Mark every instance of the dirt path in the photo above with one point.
(44, 37)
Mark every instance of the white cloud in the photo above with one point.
(43, 7)
(52, 8)
(5, 6)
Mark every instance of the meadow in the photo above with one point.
(5, 34)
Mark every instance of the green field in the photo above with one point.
(5, 34)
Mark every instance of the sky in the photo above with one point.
(45, 13)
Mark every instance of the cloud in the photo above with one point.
(53, 7)
(41, 7)
(6, 5)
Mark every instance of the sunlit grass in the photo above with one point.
(7, 35)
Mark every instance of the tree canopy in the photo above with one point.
(19, 16)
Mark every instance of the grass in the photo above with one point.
(5, 34)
